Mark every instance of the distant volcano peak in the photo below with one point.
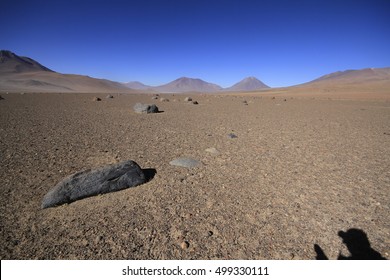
(247, 84)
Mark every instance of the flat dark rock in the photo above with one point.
(88, 183)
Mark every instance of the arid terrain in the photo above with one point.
(306, 164)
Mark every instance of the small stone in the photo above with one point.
(273, 97)
(212, 151)
(154, 97)
(109, 96)
(245, 102)
(210, 233)
(188, 216)
(195, 102)
(162, 99)
(232, 135)
(184, 245)
(98, 239)
(145, 108)
(185, 162)
(97, 99)
(188, 99)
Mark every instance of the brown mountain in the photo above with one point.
(185, 84)
(368, 76)
(19, 73)
(11, 63)
(247, 84)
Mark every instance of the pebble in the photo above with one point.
(155, 97)
(162, 99)
(195, 102)
(98, 239)
(185, 162)
(212, 151)
(97, 99)
(184, 245)
(232, 135)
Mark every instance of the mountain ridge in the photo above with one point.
(23, 73)
(351, 76)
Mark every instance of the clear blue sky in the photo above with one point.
(280, 42)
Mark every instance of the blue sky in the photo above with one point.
(280, 42)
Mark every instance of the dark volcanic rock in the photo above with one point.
(88, 183)
(145, 108)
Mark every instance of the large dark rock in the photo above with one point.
(88, 183)
(145, 108)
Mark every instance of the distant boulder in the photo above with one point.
(109, 96)
(96, 99)
(187, 99)
(145, 108)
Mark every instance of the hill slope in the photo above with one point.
(363, 76)
(12, 63)
(19, 73)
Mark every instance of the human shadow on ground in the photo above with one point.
(149, 173)
(358, 245)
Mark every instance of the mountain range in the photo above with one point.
(19, 73)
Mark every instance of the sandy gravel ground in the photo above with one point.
(298, 172)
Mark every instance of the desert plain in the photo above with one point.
(306, 164)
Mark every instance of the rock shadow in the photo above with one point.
(358, 245)
(149, 173)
